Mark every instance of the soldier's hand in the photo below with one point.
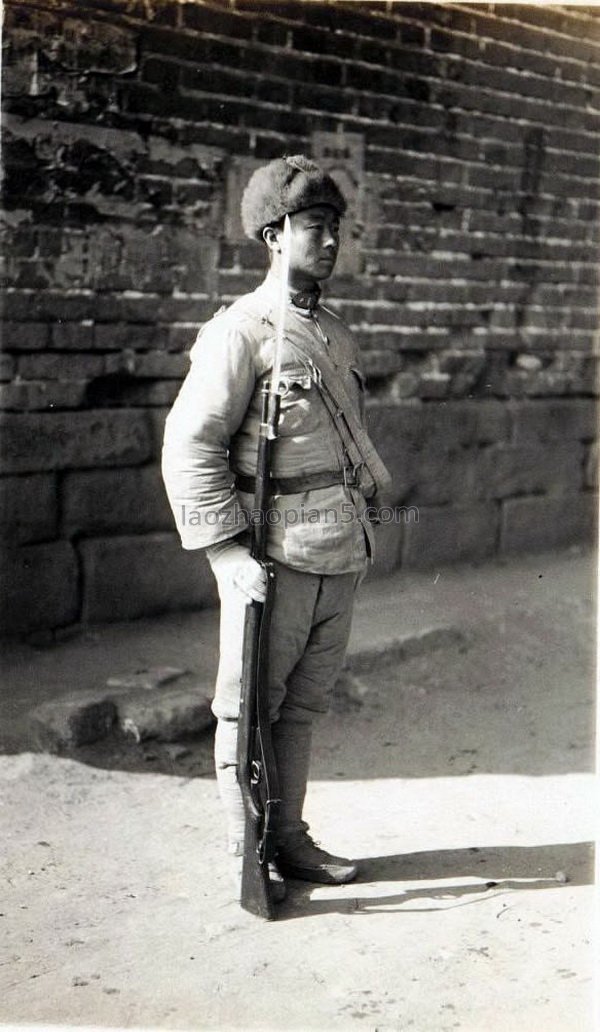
(251, 579)
(234, 564)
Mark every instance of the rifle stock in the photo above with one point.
(257, 771)
(256, 766)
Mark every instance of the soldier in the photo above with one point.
(324, 471)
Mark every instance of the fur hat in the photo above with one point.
(284, 186)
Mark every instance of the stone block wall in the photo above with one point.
(467, 135)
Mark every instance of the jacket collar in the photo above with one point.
(302, 302)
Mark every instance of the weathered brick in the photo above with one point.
(60, 366)
(433, 384)
(402, 385)
(548, 521)
(123, 389)
(448, 534)
(388, 546)
(553, 420)
(130, 576)
(40, 587)
(527, 36)
(152, 192)
(193, 196)
(146, 310)
(28, 508)
(67, 336)
(321, 99)
(181, 338)
(231, 285)
(437, 475)
(432, 425)
(42, 441)
(159, 259)
(380, 365)
(38, 306)
(218, 80)
(220, 22)
(147, 365)
(592, 464)
(41, 395)
(163, 41)
(8, 367)
(315, 41)
(272, 33)
(583, 25)
(463, 367)
(115, 336)
(424, 475)
(130, 500)
(503, 470)
(510, 105)
(150, 365)
(563, 373)
(93, 46)
(24, 336)
(524, 84)
(161, 73)
(375, 23)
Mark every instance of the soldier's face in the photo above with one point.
(314, 243)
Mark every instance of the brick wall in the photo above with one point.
(470, 275)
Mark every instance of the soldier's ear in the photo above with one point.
(271, 238)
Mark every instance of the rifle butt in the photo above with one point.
(256, 894)
(256, 769)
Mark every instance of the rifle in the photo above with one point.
(256, 766)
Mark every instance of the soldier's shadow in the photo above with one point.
(448, 878)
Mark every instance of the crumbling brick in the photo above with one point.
(42, 441)
(547, 521)
(40, 587)
(448, 534)
(28, 508)
(130, 576)
(105, 501)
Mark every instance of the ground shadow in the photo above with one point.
(189, 757)
(497, 871)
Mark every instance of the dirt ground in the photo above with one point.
(463, 781)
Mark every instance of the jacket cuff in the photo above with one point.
(202, 526)
(220, 548)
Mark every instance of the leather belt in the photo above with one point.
(349, 476)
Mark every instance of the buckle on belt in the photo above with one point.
(352, 475)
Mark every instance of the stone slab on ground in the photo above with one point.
(148, 679)
(76, 719)
(167, 714)
(362, 658)
(148, 704)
